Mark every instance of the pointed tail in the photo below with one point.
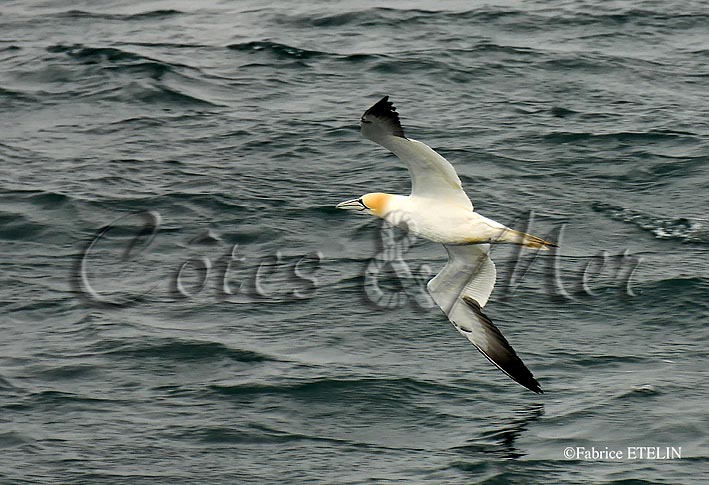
(527, 240)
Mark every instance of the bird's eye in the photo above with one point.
(362, 202)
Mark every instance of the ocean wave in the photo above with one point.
(585, 361)
(117, 57)
(394, 17)
(508, 17)
(185, 200)
(94, 55)
(148, 93)
(34, 213)
(669, 304)
(66, 372)
(619, 136)
(5, 384)
(361, 389)
(640, 392)
(45, 199)
(147, 76)
(152, 69)
(53, 399)
(597, 63)
(675, 228)
(180, 350)
(18, 227)
(12, 439)
(422, 65)
(279, 51)
(636, 17)
(453, 62)
(691, 289)
(257, 434)
(163, 95)
(148, 15)
(132, 123)
(12, 96)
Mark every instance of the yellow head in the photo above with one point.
(375, 204)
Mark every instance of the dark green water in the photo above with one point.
(234, 126)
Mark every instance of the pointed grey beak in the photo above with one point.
(353, 205)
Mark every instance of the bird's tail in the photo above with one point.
(517, 237)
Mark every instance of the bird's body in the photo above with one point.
(438, 209)
(441, 221)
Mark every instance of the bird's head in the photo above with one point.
(374, 204)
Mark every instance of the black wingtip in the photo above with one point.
(382, 108)
(383, 105)
(508, 362)
(385, 111)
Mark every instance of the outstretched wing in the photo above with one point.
(469, 271)
(461, 289)
(431, 175)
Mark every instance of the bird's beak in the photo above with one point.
(353, 205)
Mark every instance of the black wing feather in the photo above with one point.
(384, 114)
(502, 354)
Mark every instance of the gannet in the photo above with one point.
(438, 209)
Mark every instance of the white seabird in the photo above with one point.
(439, 210)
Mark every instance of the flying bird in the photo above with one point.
(439, 210)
